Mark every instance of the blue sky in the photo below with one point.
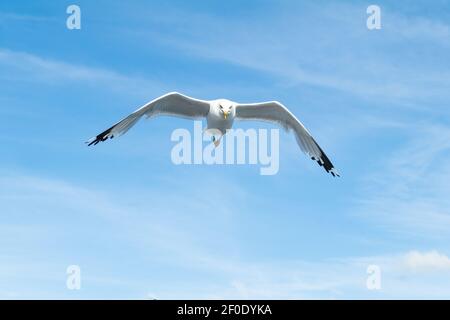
(140, 227)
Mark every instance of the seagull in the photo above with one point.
(220, 115)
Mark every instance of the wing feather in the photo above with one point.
(172, 104)
(275, 112)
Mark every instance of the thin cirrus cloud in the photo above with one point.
(409, 193)
(102, 215)
(427, 261)
(30, 67)
(293, 47)
(170, 227)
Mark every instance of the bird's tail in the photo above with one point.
(216, 135)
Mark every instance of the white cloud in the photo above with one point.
(313, 45)
(24, 66)
(408, 191)
(151, 229)
(426, 261)
(7, 17)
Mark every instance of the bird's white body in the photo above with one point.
(220, 115)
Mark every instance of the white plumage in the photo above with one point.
(220, 115)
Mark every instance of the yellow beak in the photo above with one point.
(225, 115)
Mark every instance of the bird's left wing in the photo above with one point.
(173, 104)
(275, 112)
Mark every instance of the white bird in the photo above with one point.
(220, 115)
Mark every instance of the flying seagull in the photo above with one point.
(220, 115)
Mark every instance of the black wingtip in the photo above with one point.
(324, 162)
(100, 138)
(327, 165)
(94, 141)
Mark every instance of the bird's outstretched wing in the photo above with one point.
(275, 112)
(174, 104)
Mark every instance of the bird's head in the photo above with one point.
(226, 108)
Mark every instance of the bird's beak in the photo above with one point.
(225, 114)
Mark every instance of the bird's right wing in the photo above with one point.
(173, 104)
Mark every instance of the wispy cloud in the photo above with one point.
(327, 49)
(36, 202)
(6, 17)
(191, 233)
(425, 274)
(427, 261)
(22, 66)
(408, 193)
